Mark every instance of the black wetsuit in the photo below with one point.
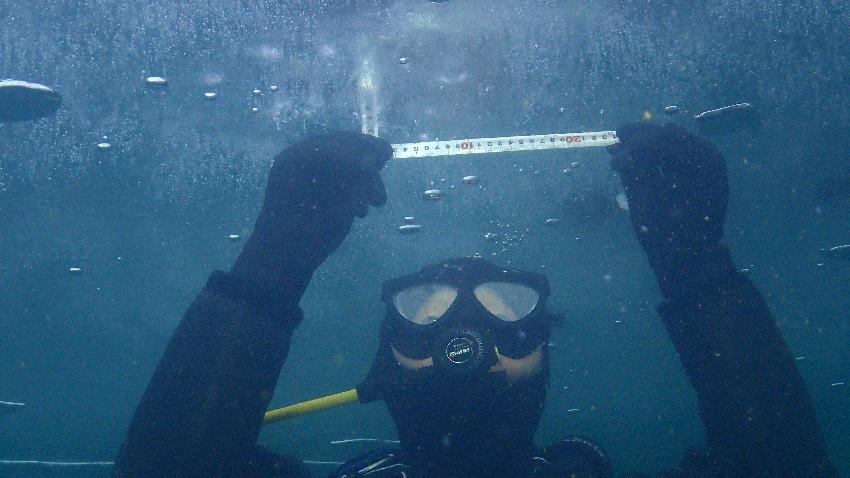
(202, 411)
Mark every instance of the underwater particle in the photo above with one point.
(433, 194)
(728, 119)
(403, 60)
(257, 92)
(837, 384)
(25, 101)
(255, 109)
(838, 252)
(409, 219)
(563, 110)
(103, 146)
(212, 78)
(800, 358)
(722, 111)
(75, 270)
(234, 237)
(409, 228)
(671, 110)
(273, 88)
(470, 180)
(646, 116)
(210, 95)
(574, 164)
(9, 407)
(573, 410)
(491, 236)
(552, 221)
(622, 201)
(156, 81)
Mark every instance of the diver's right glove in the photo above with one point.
(315, 189)
(677, 190)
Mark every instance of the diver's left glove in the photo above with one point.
(677, 189)
(315, 189)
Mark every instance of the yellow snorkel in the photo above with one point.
(310, 406)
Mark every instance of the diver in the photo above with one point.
(462, 362)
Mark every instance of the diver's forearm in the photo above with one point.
(757, 414)
(279, 262)
(202, 411)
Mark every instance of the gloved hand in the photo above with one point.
(315, 189)
(677, 190)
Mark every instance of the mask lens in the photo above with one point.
(507, 301)
(424, 304)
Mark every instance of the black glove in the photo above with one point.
(677, 190)
(315, 189)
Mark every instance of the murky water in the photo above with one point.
(115, 209)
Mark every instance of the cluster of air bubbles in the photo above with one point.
(104, 145)
(157, 81)
(433, 194)
(504, 236)
(209, 79)
(835, 253)
(409, 226)
(436, 194)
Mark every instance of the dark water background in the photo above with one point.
(148, 219)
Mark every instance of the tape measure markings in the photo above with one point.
(504, 144)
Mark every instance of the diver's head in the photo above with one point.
(463, 363)
(465, 317)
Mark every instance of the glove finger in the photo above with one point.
(360, 151)
(377, 191)
(635, 136)
(379, 153)
(365, 189)
(622, 161)
(361, 209)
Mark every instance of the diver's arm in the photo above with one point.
(755, 408)
(203, 408)
(757, 414)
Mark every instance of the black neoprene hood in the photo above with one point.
(464, 272)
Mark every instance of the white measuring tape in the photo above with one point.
(504, 144)
(368, 98)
